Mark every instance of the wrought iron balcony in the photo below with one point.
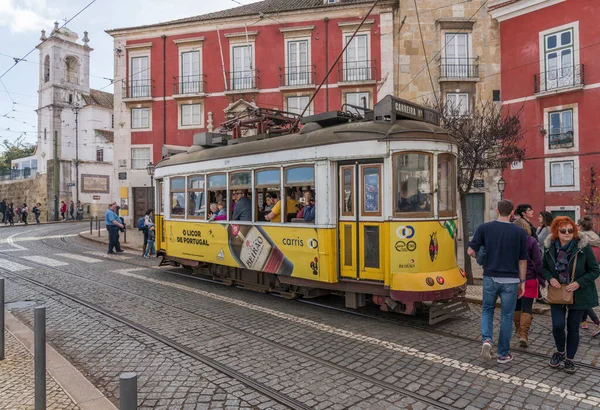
(358, 71)
(453, 68)
(302, 75)
(189, 85)
(138, 89)
(242, 80)
(561, 138)
(559, 78)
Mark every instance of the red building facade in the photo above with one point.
(179, 78)
(550, 69)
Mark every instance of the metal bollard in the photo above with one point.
(91, 222)
(98, 226)
(128, 391)
(125, 234)
(2, 319)
(39, 326)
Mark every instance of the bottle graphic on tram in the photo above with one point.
(252, 248)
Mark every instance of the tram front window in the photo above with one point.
(412, 183)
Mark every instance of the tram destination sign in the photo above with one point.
(391, 109)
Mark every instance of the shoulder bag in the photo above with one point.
(560, 296)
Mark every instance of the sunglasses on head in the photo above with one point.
(566, 231)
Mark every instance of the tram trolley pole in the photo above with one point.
(40, 356)
(2, 319)
(128, 391)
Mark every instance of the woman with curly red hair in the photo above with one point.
(569, 260)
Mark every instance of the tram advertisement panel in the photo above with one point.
(299, 252)
(419, 247)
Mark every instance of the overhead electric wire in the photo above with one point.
(425, 50)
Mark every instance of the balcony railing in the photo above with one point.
(297, 75)
(189, 84)
(136, 89)
(16, 174)
(459, 67)
(242, 80)
(556, 79)
(357, 71)
(561, 138)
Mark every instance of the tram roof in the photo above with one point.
(350, 132)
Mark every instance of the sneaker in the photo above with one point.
(145, 256)
(596, 332)
(584, 325)
(504, 359)
(119, 251)
(569, 366)
(557, 359)
(486, 350)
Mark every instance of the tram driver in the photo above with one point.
(411, 198)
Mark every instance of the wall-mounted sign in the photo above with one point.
(95, 183)
(122, 175)
(96, 197)
(478, 183)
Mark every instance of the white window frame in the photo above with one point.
(190, 89)
(131, 73)
(548, 169)
(287, 104)
(192, 125)
(360, 95)
(542, 47)
(345, 37)
(576, 209)
(310, 73)
(232, 46)
(547, 111)
(146, 159)
(468, 105)
(142, 128)
(467, 71)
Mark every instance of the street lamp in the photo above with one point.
(501, 187)
(150, 170)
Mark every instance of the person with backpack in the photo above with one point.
(143, 225)
(36, 212)
(150, 249)
(24, 213)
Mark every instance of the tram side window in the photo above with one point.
(217, 196)
(267, 191)
(178, 197)
(300, 194)
(240, 187)
(412, 184)
(447, 185)
(196, 196)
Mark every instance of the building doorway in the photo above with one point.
(570, 214)
(475, 211)
(142, 201)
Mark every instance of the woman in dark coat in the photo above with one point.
(565, 252)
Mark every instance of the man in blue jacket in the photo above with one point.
(113, 225)
(504, 275)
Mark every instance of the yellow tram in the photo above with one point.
(384, 190)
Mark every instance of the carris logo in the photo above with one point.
(405, 232)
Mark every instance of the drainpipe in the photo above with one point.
(164, 39)
(326, 63)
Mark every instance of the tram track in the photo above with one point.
(415, 326)
(260, 387)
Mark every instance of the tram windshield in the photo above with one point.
(413, 191)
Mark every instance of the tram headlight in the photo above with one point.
(463, 273)
(430, 281)
(440, 280)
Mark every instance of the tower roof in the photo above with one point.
(99, 98)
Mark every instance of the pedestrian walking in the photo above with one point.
(150, 249)
(524, 211)
(113, 225)
(63, 209)
(504, 275)
(144, 224)
(24, 213)
(36, 212)
(79, 211)
(17, 214)
(10, 214)
(524, 309)
(585, 226)
(545, 219)
(571, 268)
(3, 206)
(72, 210)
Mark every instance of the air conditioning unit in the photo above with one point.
(122, 163)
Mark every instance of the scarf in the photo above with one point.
(563, 256)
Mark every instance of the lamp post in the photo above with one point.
(150, 170)
(501, 187)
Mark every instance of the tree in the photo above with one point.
(488, 138)
(590, 199)
(13, 150)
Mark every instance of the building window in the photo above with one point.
(561, 133)
(456, 62)
(140, 77)
(72, 70)
(356, 63)
(561, 174)
(457, 104)
(296, 105)
(359, 100)
(190, 72)
(47, 69)
(191, 114)
(298, 65)
(140, 118)
(559, 60)
(242, 77)
(140, 157)
(100, 155)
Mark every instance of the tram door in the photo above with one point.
(360, 221)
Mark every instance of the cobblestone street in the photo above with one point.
(198, 344)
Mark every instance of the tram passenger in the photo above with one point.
(569, 260)
(243, 207)
(212, 210)
(411, 199)
(275, 209)
(309, 209)
(290, 204)
(221, 213)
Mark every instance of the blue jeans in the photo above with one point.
(150, 249)
(508, 300)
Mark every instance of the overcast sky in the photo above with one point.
(22, 20)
